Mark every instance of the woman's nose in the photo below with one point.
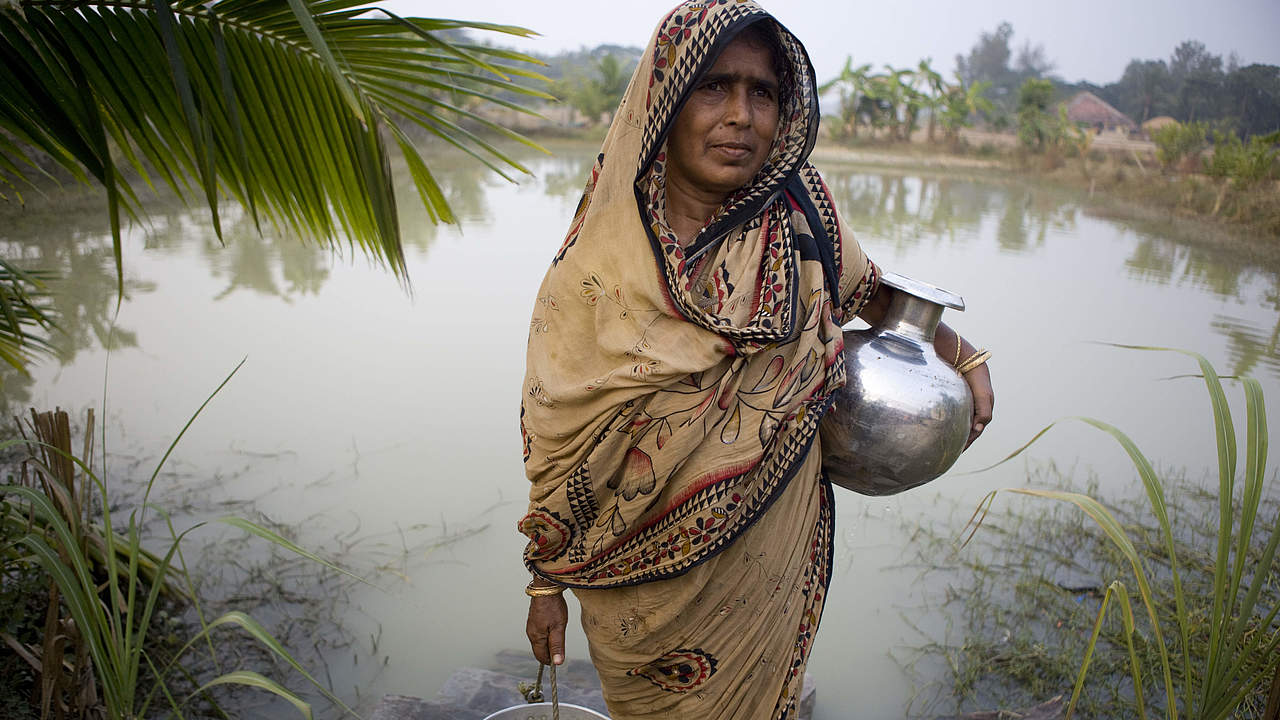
(738, 110)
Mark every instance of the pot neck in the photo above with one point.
(912, 317)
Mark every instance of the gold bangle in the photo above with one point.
(959, 344)
(973, 361)
(536, 591)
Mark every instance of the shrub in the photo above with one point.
(1246, 164)
(1176, 141)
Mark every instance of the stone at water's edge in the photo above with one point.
(1052, 710)
(475, 693)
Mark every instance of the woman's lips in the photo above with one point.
(734, 151)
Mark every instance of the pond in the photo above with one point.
(381, 425)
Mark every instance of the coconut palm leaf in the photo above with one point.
(281, 105)
(24, 315)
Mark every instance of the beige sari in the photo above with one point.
(672, 397)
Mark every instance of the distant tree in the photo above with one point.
(961, 102)
(1192, 57)
(885, 93)
(1253, 93)
(1033, 62)
(597, 94)
(989, 61)
(855, 100)
(1197, 77)
(1037, 127)
(932, 90)
(1195, 86)
(1144, 91)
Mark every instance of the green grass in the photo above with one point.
(1200, 638)
(106, 590)
(1023, 597)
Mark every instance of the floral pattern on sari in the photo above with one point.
(678, 671)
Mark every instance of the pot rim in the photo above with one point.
(923, 290)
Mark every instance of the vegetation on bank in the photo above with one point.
(1222, 166)
(92, 607)
(1176, 602)
(1023, 598)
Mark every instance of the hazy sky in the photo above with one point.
(1088, 39)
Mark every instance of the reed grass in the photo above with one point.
(1203, 678)
(105, 588)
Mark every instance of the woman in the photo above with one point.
(684, 345)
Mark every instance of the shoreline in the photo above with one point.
(1108, 184)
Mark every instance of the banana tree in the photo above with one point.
(853, 85)
(891, 95)
(931, 89)
(289, 107)
(961, 102)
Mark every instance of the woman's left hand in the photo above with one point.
(984, 400)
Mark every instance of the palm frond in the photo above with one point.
(25, 315)
(281, 105)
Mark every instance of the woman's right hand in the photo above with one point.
(548, 617)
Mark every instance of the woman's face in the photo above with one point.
(725, 130)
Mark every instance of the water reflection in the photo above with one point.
(891, 208)
(1229, 275)
(907, 210)
(901, 211)
(72, 239)
(904, 209)
(282, 269)
(1162, 260)
(566, 176)
(68, 232)
(1028, 217)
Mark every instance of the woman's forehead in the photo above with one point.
(747, 59)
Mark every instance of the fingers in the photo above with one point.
(545, 627)
(556, 644)
(984, 400)
(537, 641)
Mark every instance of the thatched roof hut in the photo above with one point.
(1089, 109)
(1156, 123)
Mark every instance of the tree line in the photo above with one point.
(1197, 86)
(1192, 85)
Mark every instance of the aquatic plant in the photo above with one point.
(106, 587)
(1230, 651)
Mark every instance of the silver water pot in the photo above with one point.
(904, 414)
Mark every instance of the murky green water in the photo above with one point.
(383, 424)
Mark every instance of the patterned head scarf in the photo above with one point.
(672, 389)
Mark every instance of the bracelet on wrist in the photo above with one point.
(536, 591)
(973, 361)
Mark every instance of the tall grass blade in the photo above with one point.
(255, 529)
(259, 633)
(1118, 589)
(248, 678)
(1243, 644)
(1225, 437)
